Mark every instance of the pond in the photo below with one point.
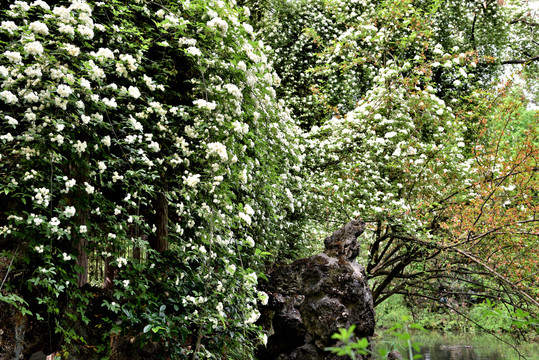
(438, 346)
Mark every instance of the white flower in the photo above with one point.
(121, 261)
(154, 146)
(31, 97)
(101, 166)
(54, 221)
(126, 283)
(243, 176)
(242, 66)
(72, 50)
(134, 92)
(80, 147)
(203, 104)
(248, 209)
(89, 188)
(263, 297)
(440, 111)
(233, 90)
(69, 183)
(248, 28)
(103, 53)
(193, 51)
(192, 180)
(66, 256)
(110, 102)
(11, 121)
(33, 48)
(218, 149)
(390, 134)
(39, 28)
(85, 83)
(9, 26)
(106, 141)
(218, 24)
(40, 248)
(116, 176)
(66, 29)
(64, 90)
(13, 56)
(255, 314)
(83, 229)
(85, 31)
(69, 211)
(8, 97)
(245, 218)
(249, 241)
(41, 4)
(460, 144)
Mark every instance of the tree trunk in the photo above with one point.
(82, 261)
(158, 241)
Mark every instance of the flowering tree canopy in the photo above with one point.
(164, 151)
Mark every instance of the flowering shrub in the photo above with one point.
(407, 130)
(147, 137)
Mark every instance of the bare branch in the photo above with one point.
(525, 21)
(498, 275)
(520, 61)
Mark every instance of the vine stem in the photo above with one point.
(9, 267)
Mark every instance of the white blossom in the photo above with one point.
(218, 149)
(13, 56)
(203, 104)
(134, 92)
(69, 211)
(64, 90)
(80, 146)
(33, 48)
(89, 188)
(39, 28)
(192, 180)
(193, 51)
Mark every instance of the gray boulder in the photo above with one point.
(312, 298)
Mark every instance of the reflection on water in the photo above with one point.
(436, 346)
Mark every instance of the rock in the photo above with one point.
(312, 298)
(343, 242)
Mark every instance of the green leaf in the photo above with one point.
(157, 328)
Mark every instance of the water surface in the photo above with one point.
(438, 346)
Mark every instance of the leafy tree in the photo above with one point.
(411, 140)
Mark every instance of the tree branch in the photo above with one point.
(520, 61)
(525, 21)
(498, 275)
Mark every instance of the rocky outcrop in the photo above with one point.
(312, 298)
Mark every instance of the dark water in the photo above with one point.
(436, 346)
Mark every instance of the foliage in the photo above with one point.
(161, 141)
(147, 136)
(349, 347)
(414, 139)
(401, 330)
